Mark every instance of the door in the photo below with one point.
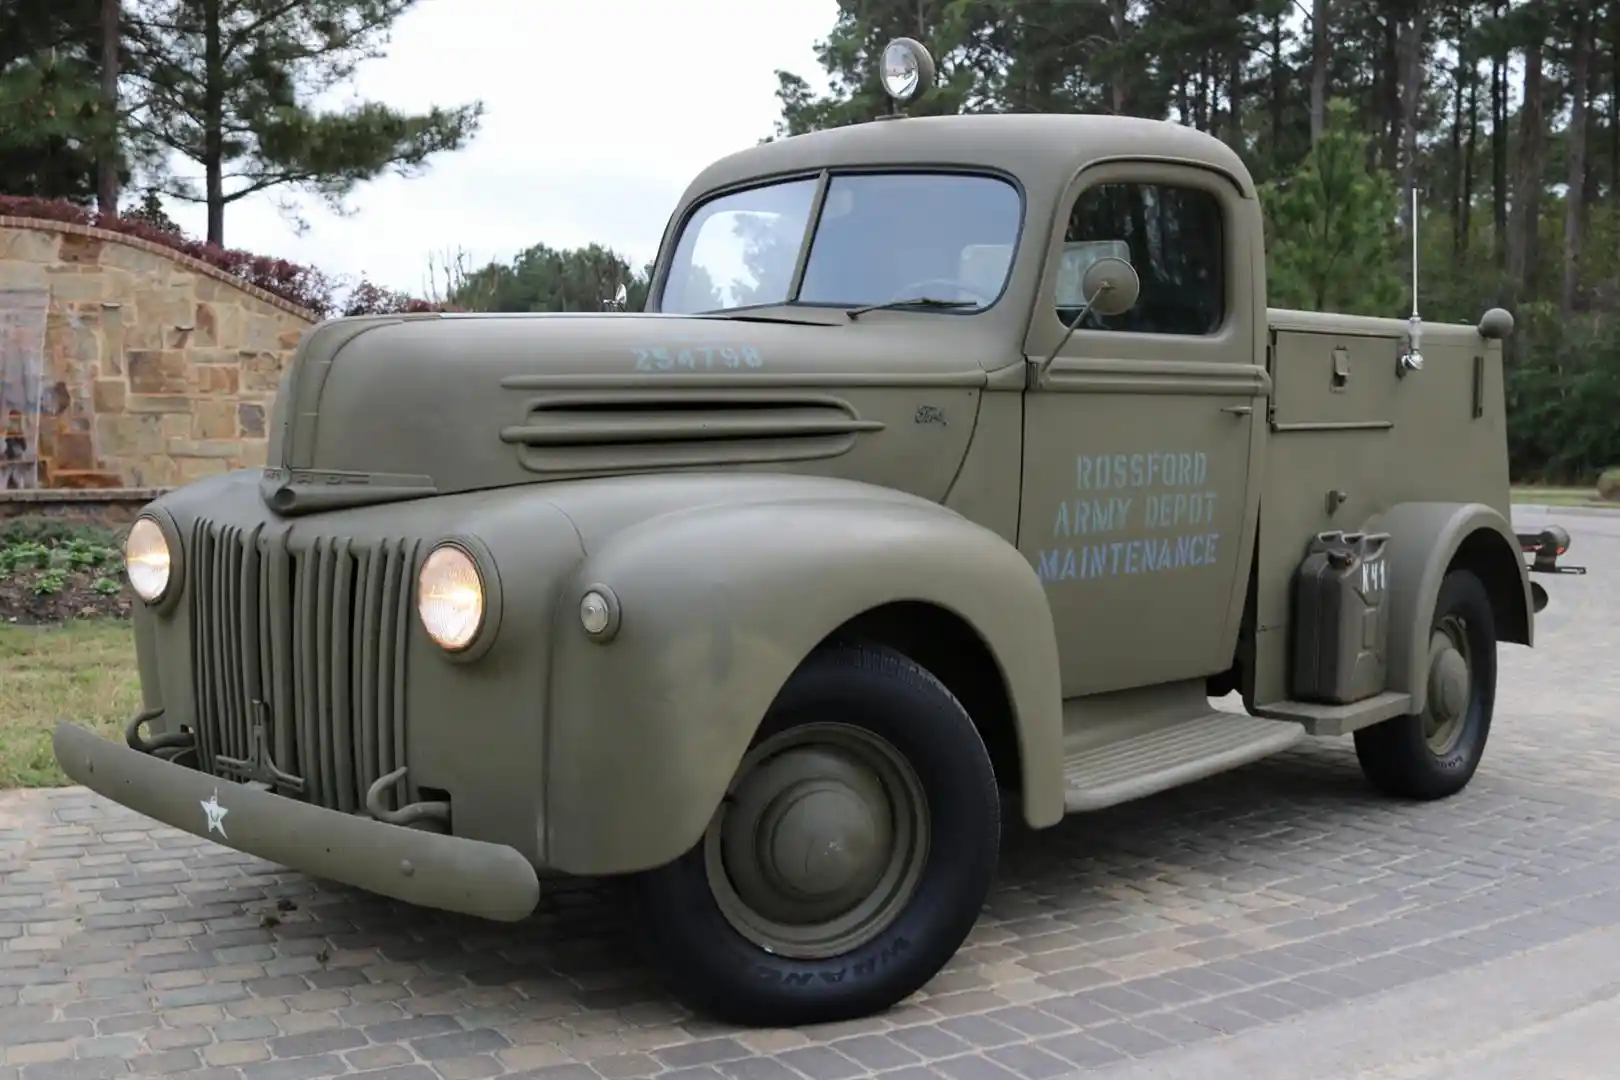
(1142, 430)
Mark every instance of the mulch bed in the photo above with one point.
(54, 573)
(22, 604)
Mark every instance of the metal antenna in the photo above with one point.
(1414, 252)
(1412, 359)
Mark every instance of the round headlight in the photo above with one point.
(147, 560)
(450, 598)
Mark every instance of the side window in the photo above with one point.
(1173, 237)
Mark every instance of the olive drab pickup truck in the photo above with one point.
(956, 464)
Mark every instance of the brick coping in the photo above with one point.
(180, 258)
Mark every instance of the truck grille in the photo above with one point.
(298, 661)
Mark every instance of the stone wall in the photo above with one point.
(127, 365)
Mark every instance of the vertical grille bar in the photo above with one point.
(284, 700)
(262, 656)
(231, 645)
(406, 551)
(343, 668)
(218, 666)
(202, 627)
(249, 657)
(368, 682)
(388, 619)
(323, 671)
(309, 747)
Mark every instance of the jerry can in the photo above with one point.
(1341, 618)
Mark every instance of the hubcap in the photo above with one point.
(819, 843)
(1450, 686)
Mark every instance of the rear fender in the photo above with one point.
(717, 606)
(1428, 539)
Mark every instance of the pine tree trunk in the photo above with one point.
(107, 160)
(1499, 148)
(1319, 68)
(1116, 16)
(214, 121)
(1575, 199)
(1527, 187)
(1457, 159)
(1411, 88)
(1470, 153)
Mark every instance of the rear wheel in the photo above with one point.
(849, 859)
(1435, 753)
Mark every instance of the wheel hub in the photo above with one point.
(810, 832)
(1450, 686)
(820, 841)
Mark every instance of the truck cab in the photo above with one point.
(956, 468)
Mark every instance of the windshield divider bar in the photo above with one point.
(809, 238)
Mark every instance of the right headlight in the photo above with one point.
(147, 560)
(450, 597)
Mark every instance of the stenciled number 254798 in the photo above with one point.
(702, 358)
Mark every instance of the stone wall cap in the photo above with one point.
(82, 495)
(180, 258)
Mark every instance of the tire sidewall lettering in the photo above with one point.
(885, 954)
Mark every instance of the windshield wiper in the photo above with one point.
(916, 301)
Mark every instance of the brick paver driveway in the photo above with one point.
(132, 950)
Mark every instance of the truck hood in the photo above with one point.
(383, 408)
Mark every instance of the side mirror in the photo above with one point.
(1110, 286)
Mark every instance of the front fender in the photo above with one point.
(719, 604)
(1426, 540)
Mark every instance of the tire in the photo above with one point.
(1407, 757)
(708, 942)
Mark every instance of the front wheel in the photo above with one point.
(1435, 753)
(847, 861)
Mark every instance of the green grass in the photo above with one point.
(1558, 496)
(83, 671)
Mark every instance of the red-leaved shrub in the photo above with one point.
(368, 299)
(302, 285)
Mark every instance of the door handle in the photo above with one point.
(1238, 410)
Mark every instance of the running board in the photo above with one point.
(1140, 763)
(1339, 719)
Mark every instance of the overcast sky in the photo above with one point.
(597, 113)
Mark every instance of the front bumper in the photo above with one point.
(432, 870)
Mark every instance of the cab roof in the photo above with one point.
(1040, 149)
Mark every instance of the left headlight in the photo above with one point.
(450, 597)
(147, 560)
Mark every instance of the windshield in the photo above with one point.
(882, 237)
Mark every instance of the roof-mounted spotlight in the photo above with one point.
(908, 71)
